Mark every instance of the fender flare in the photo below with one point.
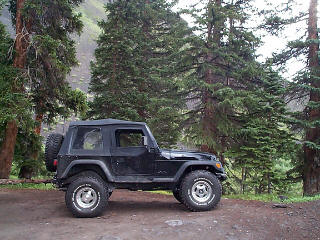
(196, 163)
(99, 163)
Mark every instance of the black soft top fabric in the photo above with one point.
(108, 121)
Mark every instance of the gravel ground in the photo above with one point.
(37, 214)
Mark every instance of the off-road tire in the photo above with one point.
(205, 181)
(95, 187)
(176, 194)
(53, 145)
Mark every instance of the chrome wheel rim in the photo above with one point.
(201, 191)
(86, 197)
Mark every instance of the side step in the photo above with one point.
(133, 179)
(142, 179)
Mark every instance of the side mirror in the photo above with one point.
(145, 140)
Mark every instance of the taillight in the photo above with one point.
(55, 162)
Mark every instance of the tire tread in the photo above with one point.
(83, 177)
(52, 148)
(197, 174)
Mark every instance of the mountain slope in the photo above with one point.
(92, 11)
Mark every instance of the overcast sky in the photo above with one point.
(271, 43)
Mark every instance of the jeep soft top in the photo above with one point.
(95, 157)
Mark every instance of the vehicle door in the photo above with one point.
(129, 155)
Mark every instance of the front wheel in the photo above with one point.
(87, 196)
(200, 191)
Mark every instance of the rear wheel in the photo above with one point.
(200, 191)
(87, 196)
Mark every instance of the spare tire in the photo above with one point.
(53, 144)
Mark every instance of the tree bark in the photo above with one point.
(209, 127)
(7, 149)
(243, 179)
(39, 119)
(22, 37)
(269, 184)
(311, 175)
(21, 43)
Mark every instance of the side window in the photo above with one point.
(129, 137)
(88, 139)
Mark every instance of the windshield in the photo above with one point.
(152, 137)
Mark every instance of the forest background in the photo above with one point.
(203, 76)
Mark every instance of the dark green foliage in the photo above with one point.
(225, 71)
(51, 56)
(136, 75)
(16, 105)
(41, 88)
(28, 142)
(239, 110)
(149, 63)
(263, 139)
(12, 105)
(305, 89)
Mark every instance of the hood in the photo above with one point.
(186, 155)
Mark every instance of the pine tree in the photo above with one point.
(305, 87)
(225, 66)
(44, 54)
(238, 111)
(137, 75)
(311, 175)
(14, 105)
(263, 137)
(51, 55)
(16, 88)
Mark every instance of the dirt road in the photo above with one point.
(36, 214)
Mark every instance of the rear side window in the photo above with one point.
(129, 137)
(88, 139)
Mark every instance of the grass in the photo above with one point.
(302, 199)
(257, 197)
(161, 192)
(260, 197)
(40, 186)
(273, 198)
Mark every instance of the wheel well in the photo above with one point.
(86, 167)
(194, 168)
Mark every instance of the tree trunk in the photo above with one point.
(269, 184)
(8, 144)
(7, 149)
(243, 180)
(209, 127)
(39, 119)
(22, 37)
(311, 175)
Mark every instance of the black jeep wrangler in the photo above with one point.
(95, 157)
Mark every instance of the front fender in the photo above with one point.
(209, 164)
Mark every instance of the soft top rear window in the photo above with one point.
(88, 139)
